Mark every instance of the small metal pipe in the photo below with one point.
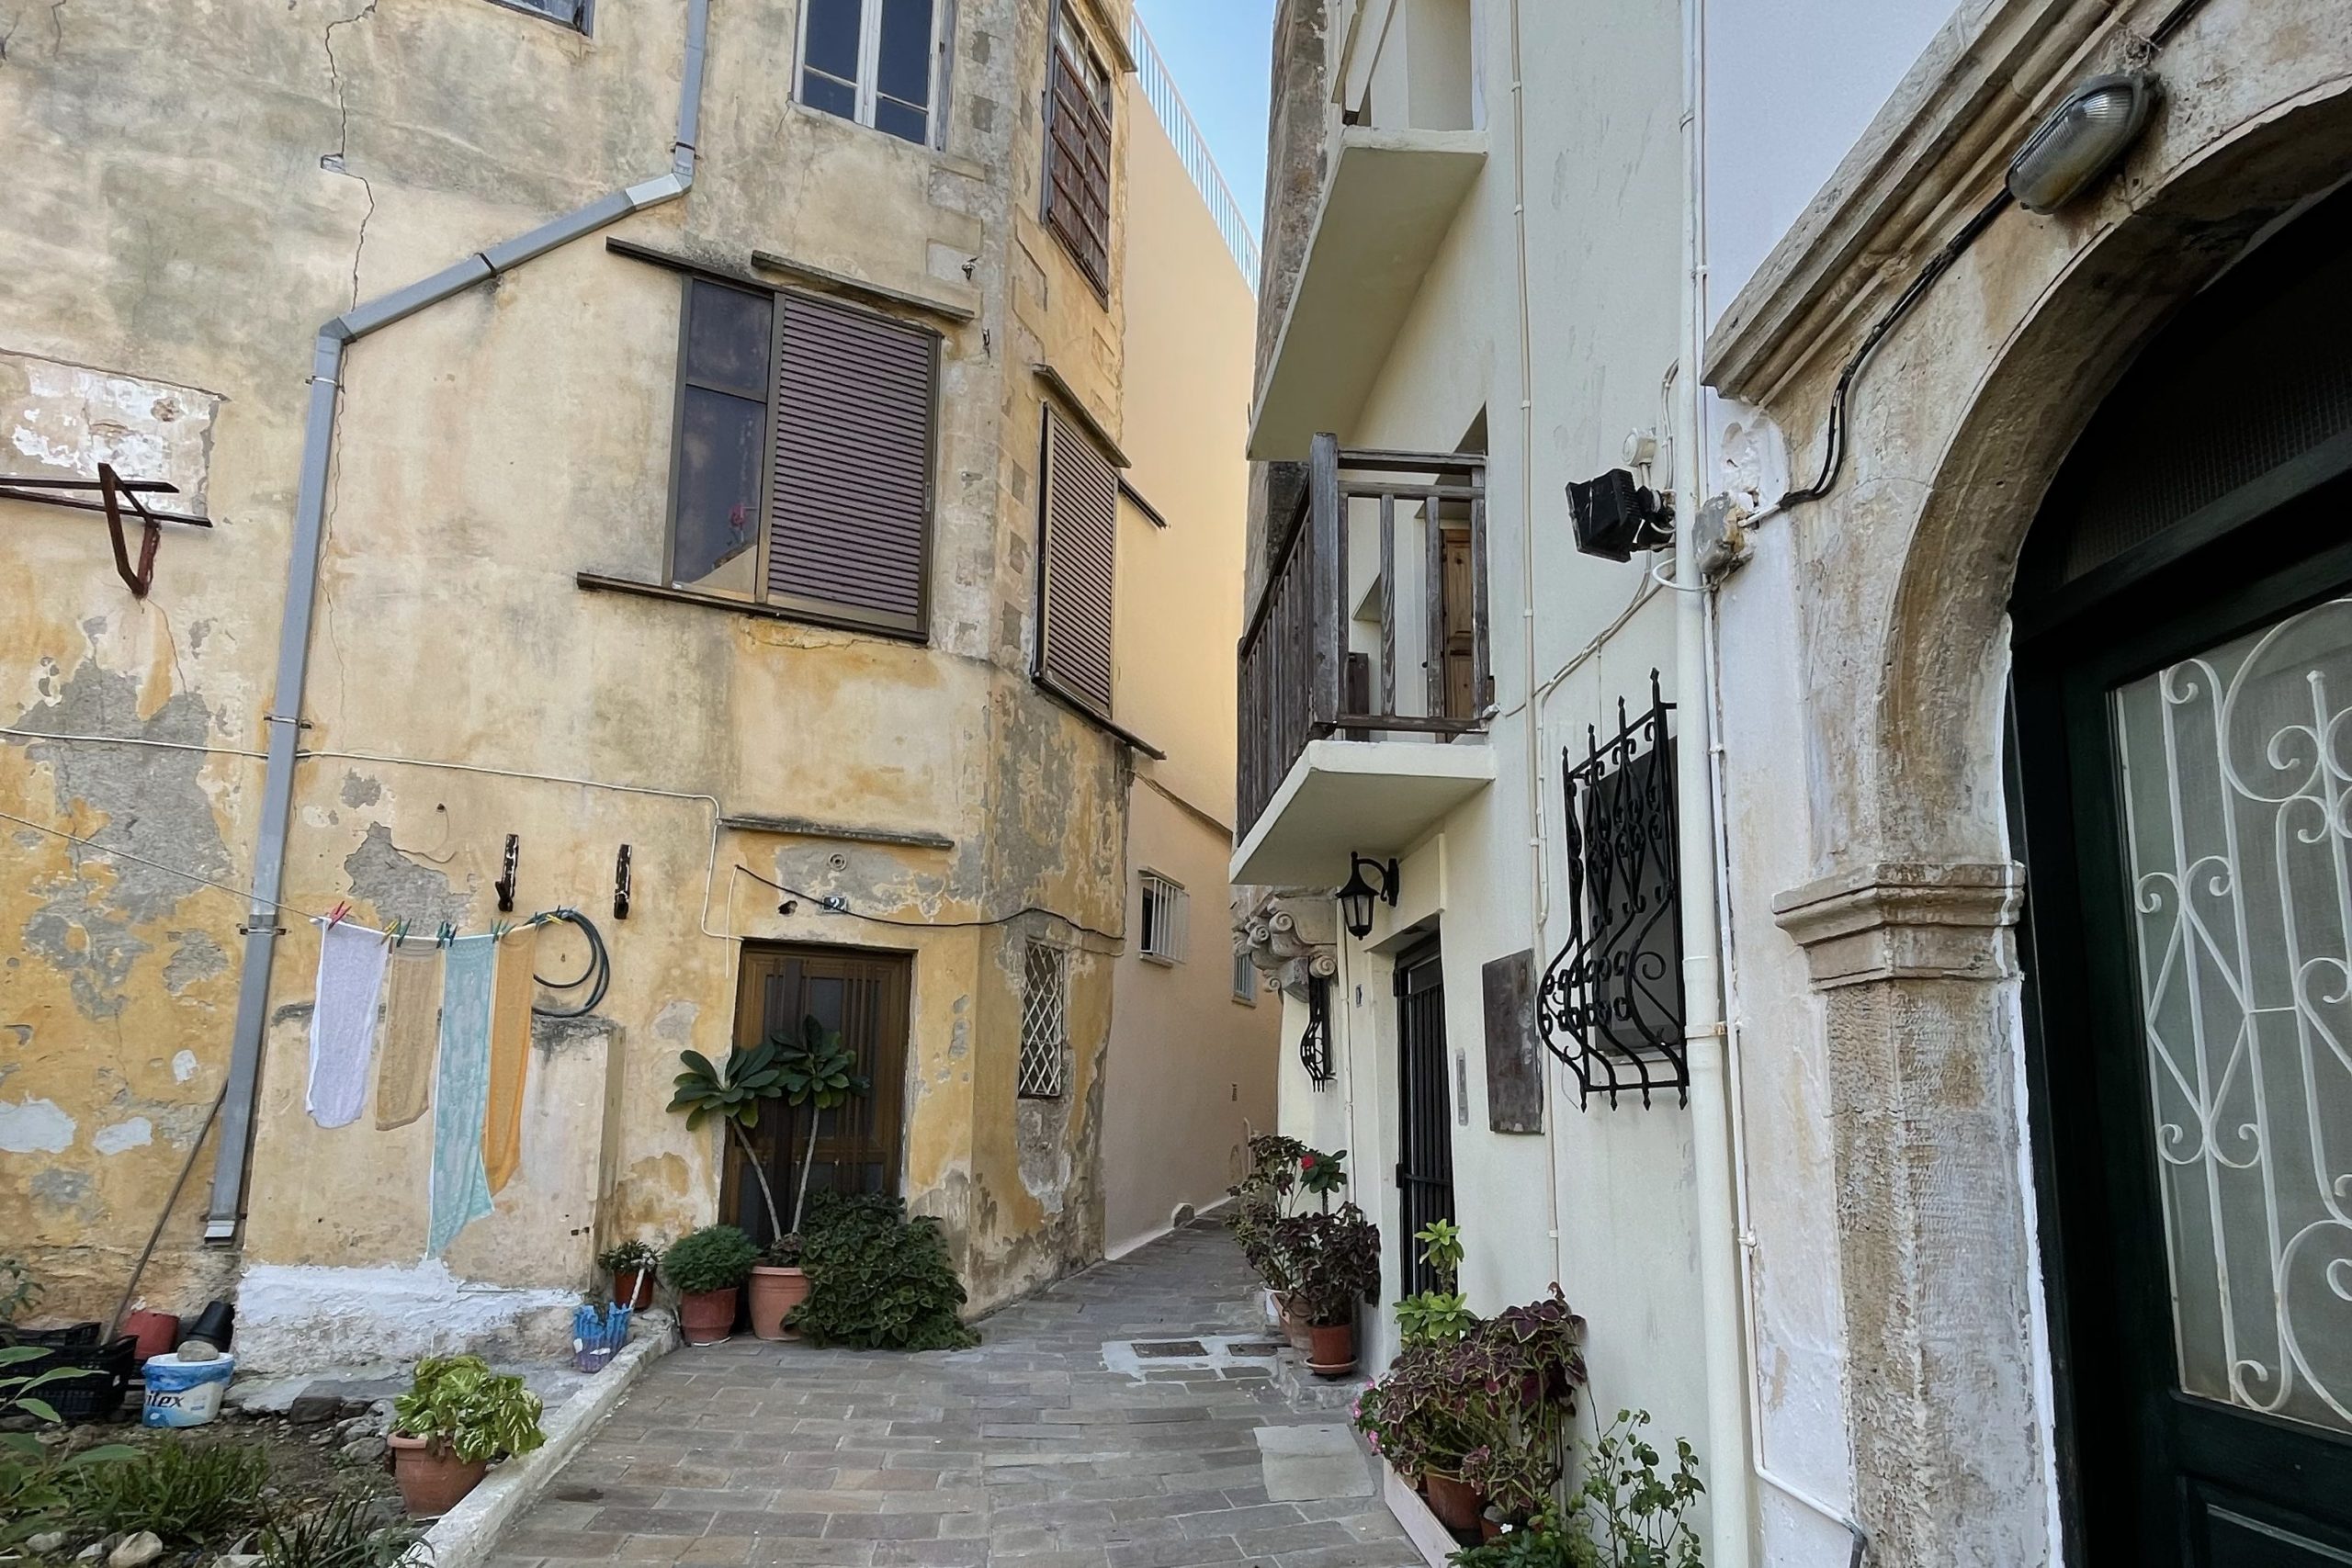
(224, 1213)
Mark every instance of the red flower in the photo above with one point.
(1306, 1162)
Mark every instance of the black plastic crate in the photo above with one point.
(74, 1335)
(95, 1393)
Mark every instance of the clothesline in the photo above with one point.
(396, 933)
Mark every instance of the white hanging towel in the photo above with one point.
(343, 1023)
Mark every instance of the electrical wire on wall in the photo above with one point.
(835, 904)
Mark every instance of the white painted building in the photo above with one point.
(1911, 1297)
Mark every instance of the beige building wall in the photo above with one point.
(1191, 1069)
(463, 684)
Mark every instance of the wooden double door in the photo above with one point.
(865, 996)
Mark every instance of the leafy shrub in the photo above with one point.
(716, 1258)
(878, 1281)
(458, 1406)
(188, 1494)
(349, 1531)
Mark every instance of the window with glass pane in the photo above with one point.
(2236, 781)
(571, 13)
(722, 440)
(877, 61)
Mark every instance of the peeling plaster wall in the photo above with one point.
(487, 450)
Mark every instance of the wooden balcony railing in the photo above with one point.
(1321, 653)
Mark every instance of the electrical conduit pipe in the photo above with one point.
(334, 342)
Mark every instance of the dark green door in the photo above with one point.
(2182, 754)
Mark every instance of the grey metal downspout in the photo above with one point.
(261, 929)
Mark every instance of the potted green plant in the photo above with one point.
(632, 1265)
(457, 1417)
(819, 1074)
(734, 1095)
(1338, 1259)
(1483, 1419)
(1441, 1315)
(708, 1267)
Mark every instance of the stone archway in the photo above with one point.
(1907, 931)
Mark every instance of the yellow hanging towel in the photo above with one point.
(510, 1059)
(412, 1023)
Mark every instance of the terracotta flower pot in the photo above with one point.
(1490, 1526)
(432, 1484)
(1454, 1501)
(775, 1291)
(706, 1317)
(1331, 1351)
(634, 1289)
(157, 1331)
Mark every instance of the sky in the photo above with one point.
(1220, 53)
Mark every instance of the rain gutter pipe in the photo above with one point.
(1730, 1495)
(261, 929)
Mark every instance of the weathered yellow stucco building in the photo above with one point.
(732, 501)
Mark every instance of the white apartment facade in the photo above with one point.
(2005, 1221)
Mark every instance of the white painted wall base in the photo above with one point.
(297, 1318)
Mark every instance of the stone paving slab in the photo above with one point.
(1055, 1444)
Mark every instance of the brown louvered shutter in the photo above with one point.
(1081, 546)
(849, 521)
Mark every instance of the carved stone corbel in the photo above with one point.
(1905, 919)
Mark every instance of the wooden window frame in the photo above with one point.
(867, 87)
(1162, 938)
(762, 600)
(1062, 22)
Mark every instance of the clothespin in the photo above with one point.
(449, 934)
(336, 916)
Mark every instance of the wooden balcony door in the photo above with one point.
(865, 996)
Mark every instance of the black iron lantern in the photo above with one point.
(1356, 899)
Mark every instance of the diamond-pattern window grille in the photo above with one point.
(1045, 1023)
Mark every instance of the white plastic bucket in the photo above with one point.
(185, 1394)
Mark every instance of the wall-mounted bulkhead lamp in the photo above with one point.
(1356, 899)
(2081, 140)
(1615, 515)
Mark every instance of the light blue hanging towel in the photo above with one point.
(461, 1092)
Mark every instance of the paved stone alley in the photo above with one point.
(1126, 1418)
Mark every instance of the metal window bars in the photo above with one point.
(1610, 1005)
(1315, 1040)
(1044, 1023)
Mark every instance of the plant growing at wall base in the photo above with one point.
(343, 1532)
(185, 1493)
(735, 1095)
(878, 1280)
(1634, 1517)
(33, 1479)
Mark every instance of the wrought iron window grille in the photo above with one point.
(1610, 1004)
(1315, 1040)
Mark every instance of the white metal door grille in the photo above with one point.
(2236, 778)
(1045, 1023)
